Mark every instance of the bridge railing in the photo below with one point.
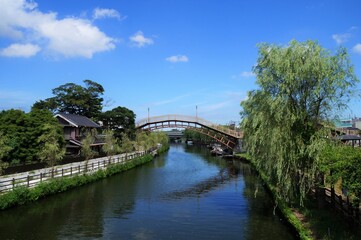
(191, 119)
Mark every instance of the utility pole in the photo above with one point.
(196, 111)
(148, 115)
(148, 119)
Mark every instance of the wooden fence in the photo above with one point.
(33, 178)
(342, 204)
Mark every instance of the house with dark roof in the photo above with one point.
(75, 129)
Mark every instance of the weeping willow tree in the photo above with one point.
(284, 119)
(111, 146)
(52, 145)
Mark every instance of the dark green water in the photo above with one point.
(183, 194)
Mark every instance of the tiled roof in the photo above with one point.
(79, 121)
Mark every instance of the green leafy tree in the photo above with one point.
(86, 150)
(127, 145)
(47, 104)
(75, 99)
(22, 131)
(111, 146)
(141, 141)
(4, 149)
(342, 162)
(120, 120)
(299, 86)
(197, 136)
(13, 126)
(51, 150)
(162, 139)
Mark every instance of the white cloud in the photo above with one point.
(341, 38)
(69, 37)
(20, 50)
(75, 37)
(139, 40)
(177, 58)
(357, 48)
(107, 13)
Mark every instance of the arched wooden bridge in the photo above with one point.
(228, 137)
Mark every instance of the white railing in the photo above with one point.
(191, 119)
(33, 178)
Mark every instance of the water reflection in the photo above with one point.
(184, 194)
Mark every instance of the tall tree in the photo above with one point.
(111, 146)
(299, 86)
(4, 149)
(127, 145)
(86, 149)
(75, 99)
(22, 131)
(141, 141)
(51, 151)
(120, 120)
(13, 126)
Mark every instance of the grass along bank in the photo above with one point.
(22, 195)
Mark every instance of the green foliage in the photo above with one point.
(197, 136)
(163, 139)
(4, 149)
(51, 150)
(120, 120)
(343, 162)
(299, 85)
(86, 145)
(148, 140)
(141, 141)
(47, 104)
(22, 131)
(111, 146)
(75, 99)
(22, 195)
(126, 145)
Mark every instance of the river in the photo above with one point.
(183, 194)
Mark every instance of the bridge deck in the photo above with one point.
(189, 119)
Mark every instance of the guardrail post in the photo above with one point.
(62, 172)
(71, 171)
(52, 173)
(92, 166)
(41, 177)
(28, 181)
(79, 169)
(340, 201)
(13, 181)
(332, 196)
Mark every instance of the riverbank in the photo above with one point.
(294, 221)
(22, 194)
(310, 222)
(185, 193)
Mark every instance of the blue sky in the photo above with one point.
(168, 55)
